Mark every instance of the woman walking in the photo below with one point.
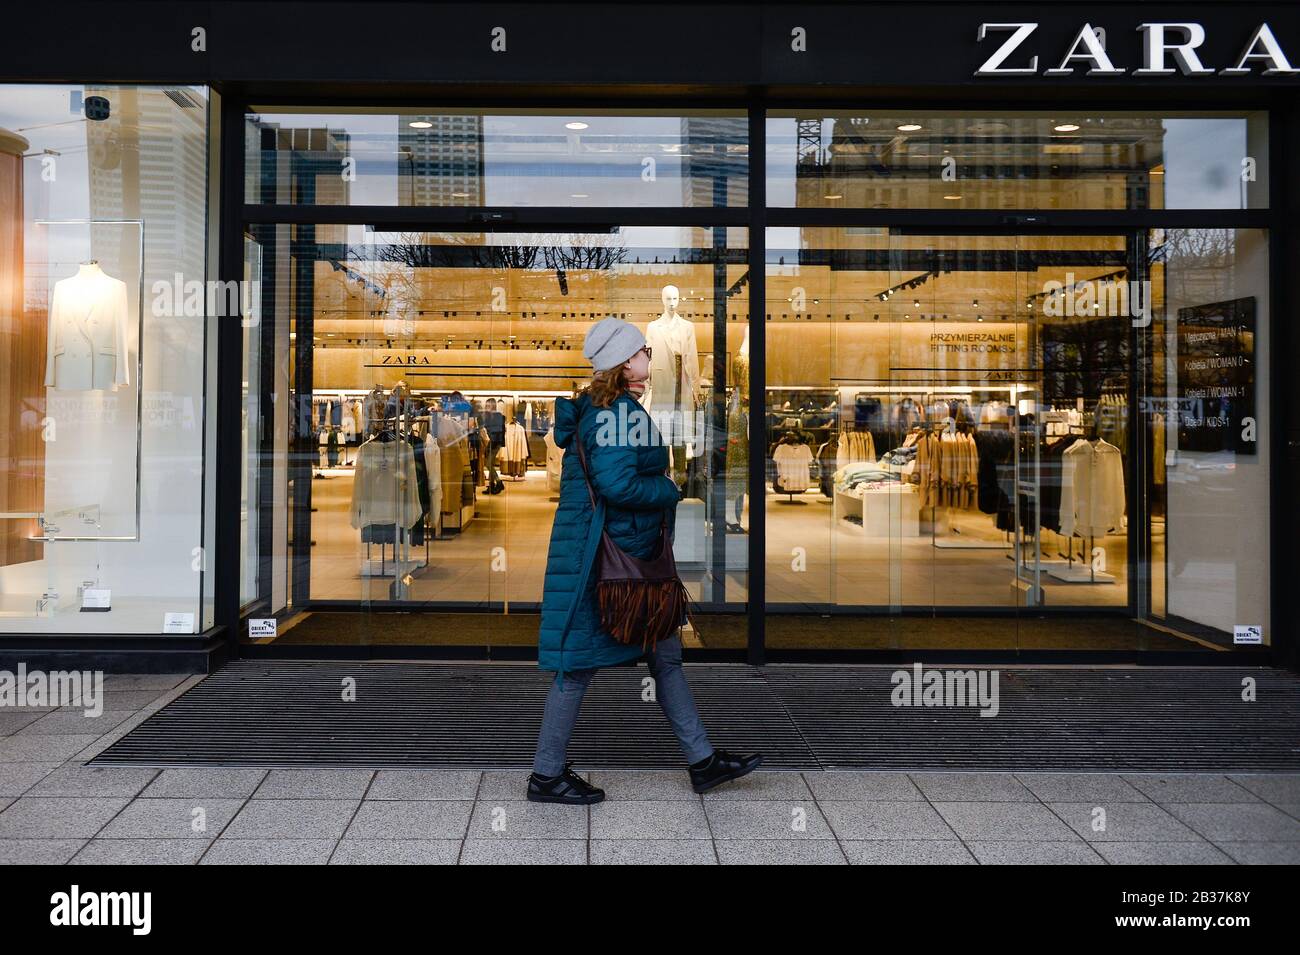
(628, 469)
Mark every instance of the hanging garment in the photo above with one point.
(1092, 489)
(433, 473)
(554, 460)
(384, 488)
(674, 378)
(453, 439)
(793, 468)
(87, 337)
(416, 445)
(516, 448)
(332, 448)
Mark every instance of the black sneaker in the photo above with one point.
(568, 787)
(721, 767)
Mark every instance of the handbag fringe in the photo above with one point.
(653, 606)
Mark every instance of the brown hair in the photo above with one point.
(606, 386)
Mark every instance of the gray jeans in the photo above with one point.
(671, 690)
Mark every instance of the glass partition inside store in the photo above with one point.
(1015, 441)
(401, 399)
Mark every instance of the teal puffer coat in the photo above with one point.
(627, 463)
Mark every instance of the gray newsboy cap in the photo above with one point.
(610, 342)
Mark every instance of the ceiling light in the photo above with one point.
(833, 195)
(579, 195)
(952, 195)
(975, 302)
(575, 125)
(909, 127)
(1067, 128)
(420, 124)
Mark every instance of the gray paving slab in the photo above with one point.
(46, 817)
(1080, 787)
(291, 819)
(76, 723)
(653, 852)
(870, 786)
(1271, 787)
(885, 820)
(1161, 853)
(268, 852)
(13, 719)
(766, 819)
(143, 681)
(1004, 821)
(172, 819)
(666, 819)
(972, 787)
(410, 819)
(395, 852)
(34, 749)
(1123, 822)
(645, 784)
(204, 783)
(455, 784)
(524, 852)
(73, 779)
(1019, 852)
(1237, 823)
(519, 820)
(1191, 787)
(314, 784)
(780, 852)
(18, 778)
(906, 852)
(1263, 853)
(38, 851)
(140, 852)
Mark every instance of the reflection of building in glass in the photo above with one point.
(148, 161)
(1018, 161)
(714, 161)
(441, 165)
(298, 166)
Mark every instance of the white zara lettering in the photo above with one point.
(74, 907)
(1167, 49)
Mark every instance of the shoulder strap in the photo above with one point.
(582, 460)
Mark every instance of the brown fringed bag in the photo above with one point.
(635, 596)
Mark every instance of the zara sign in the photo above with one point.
(1167, 48)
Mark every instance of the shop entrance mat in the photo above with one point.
(486, 716)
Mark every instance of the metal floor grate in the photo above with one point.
(411, 715)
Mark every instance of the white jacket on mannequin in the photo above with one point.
(87, 346)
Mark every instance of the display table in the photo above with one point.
(887, 512)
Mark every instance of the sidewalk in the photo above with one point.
(55, 810)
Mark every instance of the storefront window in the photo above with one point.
(432, 343)
(1066, 159)
(104, 325)
(951, 428)
(457, 158)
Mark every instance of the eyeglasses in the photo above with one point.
(646, 349)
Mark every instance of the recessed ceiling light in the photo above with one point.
(1067, 128)
(909, 127)
(833, 195)
(952, 195)
(579, 195)
(575, 125)
(420, 124)
(460, 195)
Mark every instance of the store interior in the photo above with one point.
(947, 423)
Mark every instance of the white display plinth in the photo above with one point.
(885, 513)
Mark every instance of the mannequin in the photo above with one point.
(87, 346)
(674, 379)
